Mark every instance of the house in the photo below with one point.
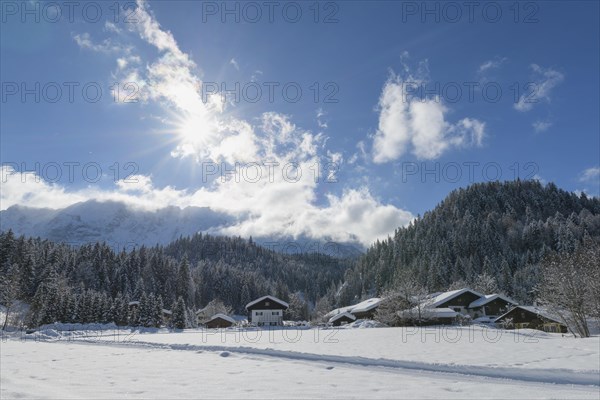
(219, 321)
(266, 311)
(521, 317)
(342, 319)
(491, 305)
(457, 300)
(366, 309)
(452, 306)
(363, 310)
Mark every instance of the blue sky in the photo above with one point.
(385, 96)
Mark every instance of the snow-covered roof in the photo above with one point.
(222, 316)
(366, 305)
(344, 314)
(490, 297)
(443, 297)
(134, 303)
(429, 313)
(275, 299)
(542, 312)
(337, 311)
(363, 306)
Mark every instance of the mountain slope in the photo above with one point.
(121, 227)
(499, 229)
(111, 222)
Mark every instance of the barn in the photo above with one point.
(521, 317)
(266, 311)
(219, 321)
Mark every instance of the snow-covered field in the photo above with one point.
(436, 362)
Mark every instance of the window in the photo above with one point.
(259, 313)
(267, 303)
(275, 313)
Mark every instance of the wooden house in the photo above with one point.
(219, 321)
(491, 305)
(342, 319)
(531, 317)
(266, 311)
(457, 300)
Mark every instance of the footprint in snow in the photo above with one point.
(330, 367)
(225, 354)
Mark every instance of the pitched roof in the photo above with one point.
(366, 305)
(222, 316)
(344, 314)
(542, 312)
(275, 299)
(363, 306)
(490, 297)
(441, 298)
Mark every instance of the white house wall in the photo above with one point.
(267, 317)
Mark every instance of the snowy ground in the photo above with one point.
(394, 363)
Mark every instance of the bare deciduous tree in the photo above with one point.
(569, 286)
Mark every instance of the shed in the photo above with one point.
(219, 321)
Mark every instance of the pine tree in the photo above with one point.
(184, 281)
(158, 312)
(179, 310)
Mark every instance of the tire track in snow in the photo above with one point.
(554, 376)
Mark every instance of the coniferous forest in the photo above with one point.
(498, 230)
(93, 283)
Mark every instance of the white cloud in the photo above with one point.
(538, 178)
(234, 63)
(492, 64)
(85, 41)
(544, 80)
(286, 158)
(261, 208)
(320, 114)
(418, 125)
(590, 175)
(111, 27)
(541, 126)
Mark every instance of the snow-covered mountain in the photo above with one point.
(112, 222)
(121, 226)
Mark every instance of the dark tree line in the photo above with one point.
(491, 230)
(93, 283)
